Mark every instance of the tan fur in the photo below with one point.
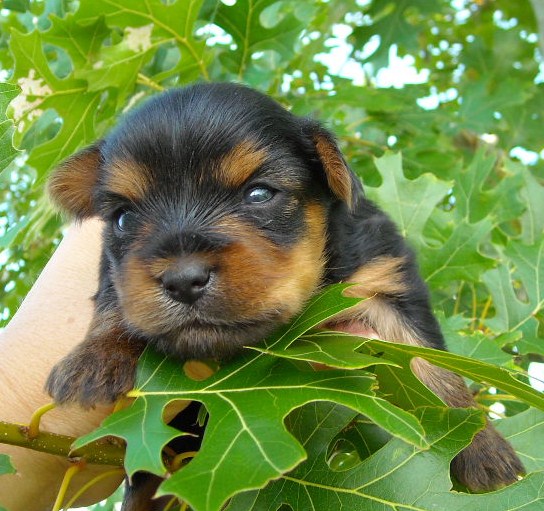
(381, 276)
(338, 175)
(141, 297)
(128, 179)
(286, 277)
(240, 163)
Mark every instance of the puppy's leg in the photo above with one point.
(100, 369)
(139, 494)
(489, 462)
(398, 309)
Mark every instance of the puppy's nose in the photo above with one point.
(187, 283)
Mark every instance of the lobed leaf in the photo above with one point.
(395, 477)
(513, 314)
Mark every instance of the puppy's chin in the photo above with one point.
(198, 340)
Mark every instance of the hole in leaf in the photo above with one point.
(59, 61)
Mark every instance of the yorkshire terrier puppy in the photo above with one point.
(224, 213)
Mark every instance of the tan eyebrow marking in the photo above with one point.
(128, 179)
(240, 163)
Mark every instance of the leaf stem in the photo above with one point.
(171, 503)
(92, 482)
(68, 476)
(495, 397)
(180, 458)
(34, 425)
(145, 80)
(458, 299)
(485, 311)
(474, 308)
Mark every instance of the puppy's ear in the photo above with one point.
(72, 183)
(343, 183)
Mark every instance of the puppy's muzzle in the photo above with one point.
(187, 281)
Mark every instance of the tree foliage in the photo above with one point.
(438, 106)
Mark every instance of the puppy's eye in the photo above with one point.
(259, 194)
(122, 220)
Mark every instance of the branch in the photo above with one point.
(100, 453)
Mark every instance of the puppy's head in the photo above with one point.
(215, 201)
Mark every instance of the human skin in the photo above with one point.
(53, 318)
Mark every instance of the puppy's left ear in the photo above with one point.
(71, 184)
(343, 183)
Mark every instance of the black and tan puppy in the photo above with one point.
(224, 214)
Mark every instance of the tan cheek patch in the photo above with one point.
(259, 277)
(239, 164)
(140, 296)
(128, 179)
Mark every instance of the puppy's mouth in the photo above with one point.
(219, 339)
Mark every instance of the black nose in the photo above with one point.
(187, 282)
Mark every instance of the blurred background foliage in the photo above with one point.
(455, 86)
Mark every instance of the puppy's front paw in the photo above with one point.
(90, 377)
(488, 463)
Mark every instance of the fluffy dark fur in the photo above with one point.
(223, 214)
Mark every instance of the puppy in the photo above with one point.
(224, 213)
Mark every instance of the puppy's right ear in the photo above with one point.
(72, 183)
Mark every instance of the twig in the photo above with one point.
(100, 453)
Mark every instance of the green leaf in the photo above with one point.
(410, 203)
(81, 42)
(333, 349)
(532, 220)
(247, 401)
(5, 468)
(511, 312)
(41, 90)
(483, 98)
(5, 465)
(142, 427)
(458, 256)
(525, 432)
(244, 22)
(166, 22)
(396, 23)
(393, 478)
(499, 377)
(398, 476)
(474, 344)
(118, 67)
(7, 152)
(474, 201)
(16, 5)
